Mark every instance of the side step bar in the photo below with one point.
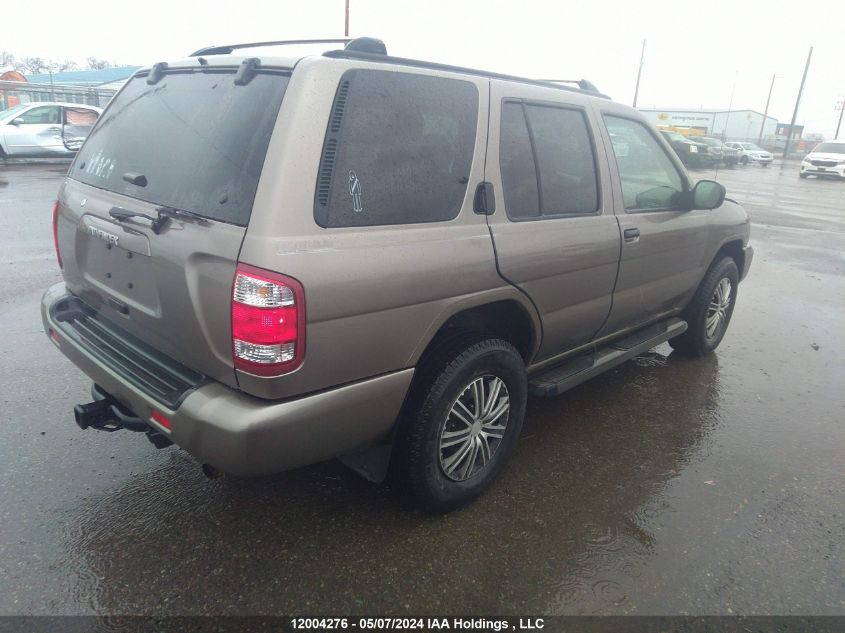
(573, 371)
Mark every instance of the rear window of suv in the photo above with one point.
(197, 138)
(398, 149)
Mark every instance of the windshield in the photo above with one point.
(8, 112)
(751, 146)
(830, 148)
(197, 138)
(674, 136)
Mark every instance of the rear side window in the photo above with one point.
(199, 140)
(547, 161)
(398, 149)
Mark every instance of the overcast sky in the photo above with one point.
(695, 52)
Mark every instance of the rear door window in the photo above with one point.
(199, 140)
(547, 161)
(398, 149)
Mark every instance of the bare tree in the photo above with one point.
(32, 65)
(6, 59)
(60, 67)
(92, 63)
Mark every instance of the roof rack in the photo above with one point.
(583, 86)
(227, 49)
(372, 49)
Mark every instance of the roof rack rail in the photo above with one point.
(226, 49)
(581, 85)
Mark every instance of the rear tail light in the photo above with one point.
(56, 232)
(268, 322)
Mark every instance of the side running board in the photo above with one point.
(573, 371)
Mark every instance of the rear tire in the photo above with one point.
(461, 422)
(744, 160)
(802, 175)
(709, 313)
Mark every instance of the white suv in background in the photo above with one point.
(751, 153)
(826, 159)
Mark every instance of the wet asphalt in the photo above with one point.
(667, 486)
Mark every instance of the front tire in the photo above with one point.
(710, 310)
(744, 160)
(462, 422)
(802, 175)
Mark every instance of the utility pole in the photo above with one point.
(639, 74)
(766, 111)
(839, 125)
(730, 106)
(797, 103)
(346, 22)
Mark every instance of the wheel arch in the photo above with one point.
(733, 248)
(504, 314)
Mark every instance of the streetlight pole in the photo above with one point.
(797, 103)
(346, 21)
(839, 125)
(639, 74)
(766, 111)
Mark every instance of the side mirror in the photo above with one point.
(18, 121)
(708, 194)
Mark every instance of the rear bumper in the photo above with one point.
(244, 435)
(748, 253)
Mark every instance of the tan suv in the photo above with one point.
(273, 261)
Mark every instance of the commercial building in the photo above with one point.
(733, 125)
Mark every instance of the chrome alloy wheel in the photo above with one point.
(717, 311)
(474, 427)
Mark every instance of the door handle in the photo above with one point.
(631, 235)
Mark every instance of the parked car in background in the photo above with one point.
(719, 152)
(751, 153)
(45, 129)
(691, 153)
(826, 159)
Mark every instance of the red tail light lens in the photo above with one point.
(56, 232)
(159, 417)
(268, 322)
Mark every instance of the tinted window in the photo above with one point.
(565, 160)
(199, 139)
(547, 161)
(398, 149)
(516, 160)
(649, 178)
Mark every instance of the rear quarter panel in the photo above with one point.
(373, 294)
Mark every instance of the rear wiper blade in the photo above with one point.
(156, 224)
(181, 214)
